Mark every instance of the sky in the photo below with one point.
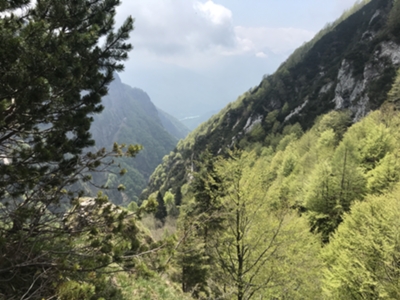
(195, 56)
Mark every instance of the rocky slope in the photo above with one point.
(351, 64)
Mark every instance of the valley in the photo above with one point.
(291, 191)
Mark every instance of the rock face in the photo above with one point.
(350, 65)
(298, 109)
(352, 93)
(251, 122)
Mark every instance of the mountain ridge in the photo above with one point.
(351, 66)
(130, 117)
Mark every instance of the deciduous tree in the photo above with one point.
(265, 249)
(362, 259)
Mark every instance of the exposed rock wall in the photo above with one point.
(351, 93)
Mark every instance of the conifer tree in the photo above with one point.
(178, 197)
(198, 222)
(206, 188)
(161, 212)
(192, 260)
(56, 60)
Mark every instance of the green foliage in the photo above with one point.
(338, 121)
(288, 181)
(193, 261)
(358, 165)
(245, 245)
(102, 289)
(206, 187)
(301, 52)
(156, 288)
(199, 220)
(270, 119)
(133, 207)
(58, 58)
(257, 133)
(394, 93)
(161, 212)
(385, 175)
(293, 129)
(262, 243)
(363, 257)
(170, 203)
(178, 197)
(393, 22)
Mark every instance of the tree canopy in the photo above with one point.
(56, 60)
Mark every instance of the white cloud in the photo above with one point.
(193, 34)
(179, 27)
(218, 14)
(261, 54)
(276, 40)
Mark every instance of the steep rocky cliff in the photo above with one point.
(351, 64)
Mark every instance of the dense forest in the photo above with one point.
(290, 192)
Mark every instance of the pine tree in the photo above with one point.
(53, 74)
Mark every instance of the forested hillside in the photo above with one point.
(128, 117)
(173, 125)
(350, 65)
(314, 217)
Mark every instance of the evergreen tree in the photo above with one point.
(53, 74)
(349, 179)
(192, 260)
(161, 212)
(206, 188)
(199, 220)
(178, 197)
